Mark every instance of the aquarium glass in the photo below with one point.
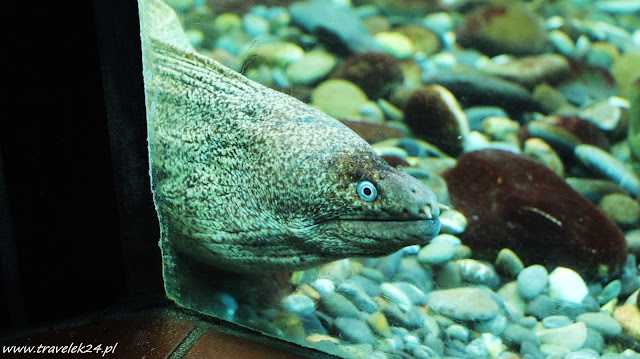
(401, 178)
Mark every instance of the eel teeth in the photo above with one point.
(443, 207)
(427, 210)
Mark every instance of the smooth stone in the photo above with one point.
(311, 324)
(554, 350)
(354, 330)
(376, 73)
(312, 67)
(476, 114)
(370, 286)
(582, 354)
(531, 207)
(566, 285)
(532, 281)
(531, 70)
(621, 208)
(518, 334)
(457, 331)
(414, 293)
(338, 98)
(392, 293)
(339, 306)
(439, 22)
(496, 326)
(562, 42)
(411, 318)
(594, 189)
(357, 296)
(540, 150)
(446, 238)
(463, 303)
(542, 306)
(633, 241)
(498, 28)
(572, 336)
(340, 21)
(529, 322)
(530, 350)
(556, 321)
(389, 265)
(298, 303)
(508, 262)
(602, 322)
(255, 25)
(434, 115)
(378, 322)
(629, 318)
(452, 222)
(425, 41)
(396, 44)
(509, 292)
(607, 165)
(476, 272)
(411, 271)
(436, 253)
(594, 341)
(474, 88)
(448, 276)
(610, 291)
(323, 285)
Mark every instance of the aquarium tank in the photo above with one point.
(401, 179)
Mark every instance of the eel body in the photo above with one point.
(248, 179)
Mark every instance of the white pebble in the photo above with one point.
(566, 285)
(438, 22)
(395, 44)
(562, 42)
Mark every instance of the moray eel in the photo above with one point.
(248, 179)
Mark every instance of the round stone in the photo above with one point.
(572, 336)
(436, 253)
(298, 303)
(532, 281)
(338, 98)
(629, 318)
(464, 303)
(602, 322)
(621, 208)
(313, 66)
(354, 330)
(566, 285)
(610, 291)
(556, 321)
(396, 44)
(508, 262)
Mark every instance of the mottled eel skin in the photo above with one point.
(248, 179)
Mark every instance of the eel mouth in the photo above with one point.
(384, 233)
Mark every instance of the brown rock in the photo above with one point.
(629, 318)
(512, 201)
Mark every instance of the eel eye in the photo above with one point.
(367, 191)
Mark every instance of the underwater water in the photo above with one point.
(401, 179)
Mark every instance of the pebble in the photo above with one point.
(518, 334)
(531, 70)
(572, 336)
(496, 326)
(562, 42)
(463, 303)
(476, 114)
(392, 293)
(354, 330)
(629, 318)
(607, 165)
(532, 281)
(378, 322)
(298, 303)
(338, 98)
(452, 222)
(509, 292)
(457, 331)
(610, 291)
(436, 253)
(312, 67)
(414, 293)
(566, 285)
(477, 272)
(602, 322)
(540, 150)
(621, 208)
(340, 21)
(411, 317)
(508, 262)
(556, 321)
(255, 25)
(357, 296)
(339, 306)
(583, 354)
(395, 44)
